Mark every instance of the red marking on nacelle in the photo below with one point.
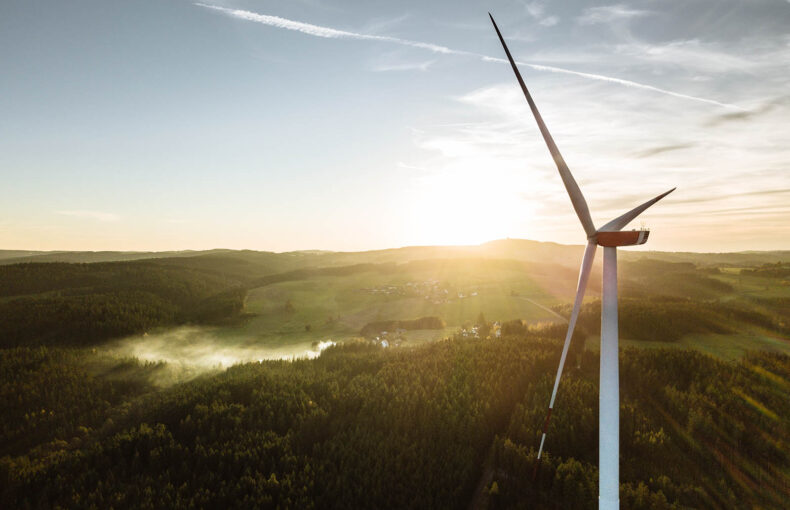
(624, 238)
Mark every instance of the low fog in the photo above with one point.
(208, 348)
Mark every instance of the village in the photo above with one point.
(398, 336)
(430, 290)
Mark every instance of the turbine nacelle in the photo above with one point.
(622, 238)
(611, 234)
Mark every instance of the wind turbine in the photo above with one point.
(610, 236)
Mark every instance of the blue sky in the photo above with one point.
(154, 125)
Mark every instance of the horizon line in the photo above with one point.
(33, 253)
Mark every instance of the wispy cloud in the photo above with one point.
(748, 115)
(537, 10)
(620, 81)
(332, 33)
(379, 25)
(695, 55)
(720, 197)
(608, 14)
(662, 149)
(404, 66)
(90, 215)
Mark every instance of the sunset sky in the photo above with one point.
(338, 125)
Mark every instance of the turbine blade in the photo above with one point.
(577, 199)
(584, 275)
(621, 221)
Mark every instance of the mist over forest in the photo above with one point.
(204, 347)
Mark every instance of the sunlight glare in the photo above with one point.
(468, 206)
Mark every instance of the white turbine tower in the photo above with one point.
(610, 237)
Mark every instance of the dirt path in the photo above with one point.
(547, 309)
(478, 501)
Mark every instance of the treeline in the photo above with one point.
(520, 327)
(374, 328)
(648, 277)
(314, 272)
(667, 319)
(81, 304)
(779, 306)
(363, 427)
(476, 264)
(777, 270)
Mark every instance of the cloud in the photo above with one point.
(695, 55)
(748, 115)
(718, 197)
(404, 66)
(383, 24)
(663, 148)
(537, 11)
(550, 21)
(331, 33)
(91, 215)
(608, 14)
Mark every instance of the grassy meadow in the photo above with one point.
(338, 307)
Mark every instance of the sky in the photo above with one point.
(354, 125)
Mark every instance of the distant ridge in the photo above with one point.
(18, 256)
(516, 249)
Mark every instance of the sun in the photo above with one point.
(465, 207)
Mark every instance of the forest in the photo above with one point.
(453, 423)
(366, 427)
(373, 328)
(82, 304)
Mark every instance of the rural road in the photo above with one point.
(555, 314)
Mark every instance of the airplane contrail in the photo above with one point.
(332, 33)
(327, 32)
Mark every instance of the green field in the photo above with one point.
(755, 286)
(337, 307)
